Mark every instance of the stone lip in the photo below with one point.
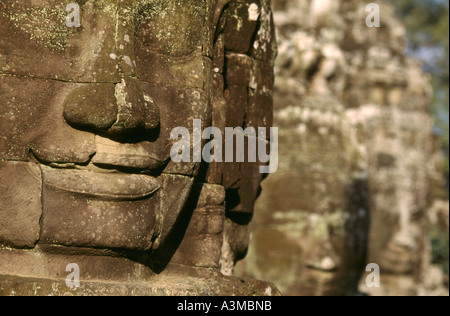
(167, 285)
(140, 155)
(107, 186)
(40, 273)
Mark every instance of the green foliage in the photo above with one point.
(440, 245)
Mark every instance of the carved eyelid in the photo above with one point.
(417, 214)
(148, 13)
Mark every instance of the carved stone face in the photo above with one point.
(402, 239)
(316, 246)
(399, 189)
(398, 227)
(311, 222)
(94, 107)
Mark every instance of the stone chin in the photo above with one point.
(320, 283)
(104, 208)
(398, 263)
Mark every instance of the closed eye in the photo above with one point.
(170, 27)
(391, 219)
(417, 215)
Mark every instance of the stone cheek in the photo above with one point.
(244, 54)
(201, 245)
(32, 118)
(240, 27)
(20, 204)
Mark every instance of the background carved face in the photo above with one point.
(315, 251)
(310, 228)
(399, 186)
(94, 107)
(399, 221)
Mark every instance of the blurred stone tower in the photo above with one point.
(356, 157)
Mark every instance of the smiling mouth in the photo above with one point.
(104, 185)
(323, 277)
(398, 262)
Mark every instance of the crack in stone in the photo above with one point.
(54, 79)
(151, 84)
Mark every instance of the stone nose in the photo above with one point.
(326, 264)
(115, 109)
(403, 240)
